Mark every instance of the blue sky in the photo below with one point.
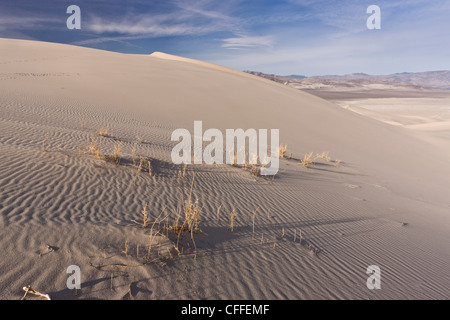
(308, 37)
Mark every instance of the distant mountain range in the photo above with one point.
(294, 76)
(429, 79)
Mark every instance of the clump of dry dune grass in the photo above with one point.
(337, 163)
(250, 165)
(103, 132)
(282, 151)
(307, 160)
(255, 170)
(234, 164)
(153, 234)
(117, 149)
(323, 156)
(94, 149)
(191, 210)
(186, 220)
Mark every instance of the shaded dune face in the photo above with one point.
(86, 142)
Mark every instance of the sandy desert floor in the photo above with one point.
(381, 199)
(426, 112)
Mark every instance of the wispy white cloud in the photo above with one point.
(208, 9)
(120, 39)
(248, 42)
(24, 23)
(144, 26)
(183, 18)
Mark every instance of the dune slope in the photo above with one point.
(385, 204)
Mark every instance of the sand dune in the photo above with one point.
(385, 204)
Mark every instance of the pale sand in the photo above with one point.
(386, 204)
(428, 116)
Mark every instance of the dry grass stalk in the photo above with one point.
(192, 214)
(153, 236)
(282, 150)
(235, 161)
(129, 290)
(195, 246)
(126, 248)
(245, 164)
(139, 169)
(133, 151)
(117, 149)
(182, 173)
(95, 149)
(232, 216)
(191, 210)
(28, 289)
(176, 220)
(145, 217)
